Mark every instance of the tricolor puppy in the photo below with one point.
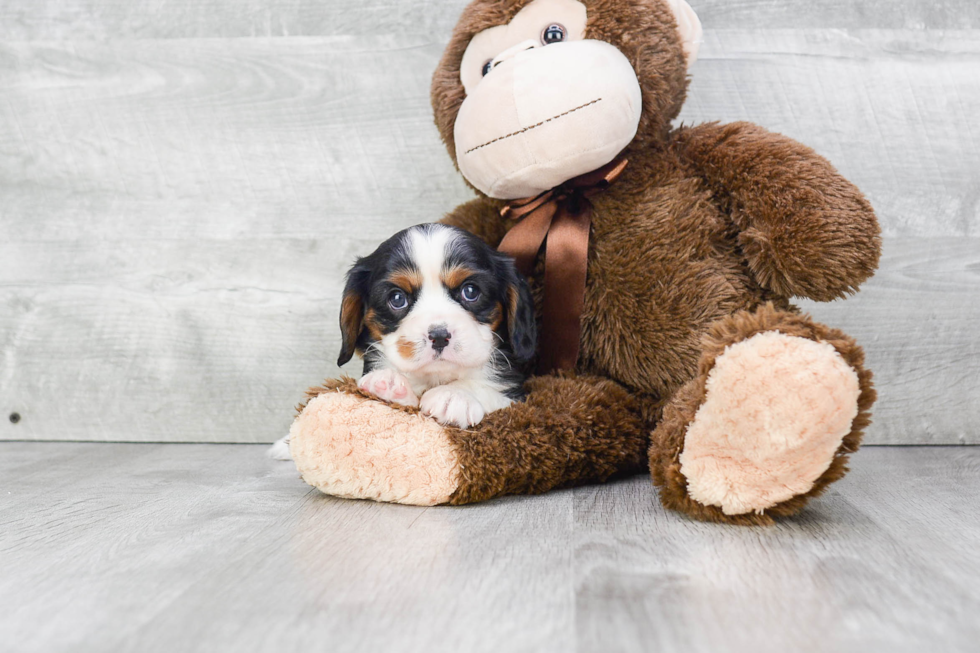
(442, 321)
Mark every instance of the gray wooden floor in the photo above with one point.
(143, 547)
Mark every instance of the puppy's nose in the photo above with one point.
(439, 336)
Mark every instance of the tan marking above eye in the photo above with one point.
(408, 280)
(456, 276)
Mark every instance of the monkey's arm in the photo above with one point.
(480, 217)
(805, 230)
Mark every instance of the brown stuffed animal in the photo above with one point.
(691, 360)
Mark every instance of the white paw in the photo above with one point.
(280, 450)
(449, 405)
(390, 386)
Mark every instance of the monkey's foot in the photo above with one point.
(775, 412)
(778, 405)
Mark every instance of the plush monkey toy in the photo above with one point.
(691, 362)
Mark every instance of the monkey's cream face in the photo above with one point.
(543, 103)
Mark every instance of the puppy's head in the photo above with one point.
(433, 299)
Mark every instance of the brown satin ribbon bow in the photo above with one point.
(563, 217)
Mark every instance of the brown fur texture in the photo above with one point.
(571, 430)
(701, 243)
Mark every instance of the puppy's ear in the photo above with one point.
(352, 308)
(522, 330)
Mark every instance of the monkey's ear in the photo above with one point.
(522, 330)
(689, 29)
(352, 308)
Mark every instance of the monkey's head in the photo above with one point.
(531, 93)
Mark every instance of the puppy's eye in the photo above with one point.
(487, 67)
(397, 300)
(470, 293)
(553, 33)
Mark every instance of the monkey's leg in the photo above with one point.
(778, 404)
(570, 430)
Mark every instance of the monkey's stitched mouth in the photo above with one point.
(527, 129)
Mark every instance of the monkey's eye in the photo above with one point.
(487, 67)
(553, 33)
(470, 293)
(397, 300)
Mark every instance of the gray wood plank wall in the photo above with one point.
(182, 185)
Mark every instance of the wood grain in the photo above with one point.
(220, 139)
(880, 564)
(178, 212)
(215, 548)
(217, 340)
(180, 19)
(839, 14)
(295, 136)
(24, 20)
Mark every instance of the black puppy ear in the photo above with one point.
(352, 308)
(522, 330)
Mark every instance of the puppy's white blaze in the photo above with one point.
(429, 247)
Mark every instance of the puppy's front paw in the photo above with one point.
(280, 450)
(390, 386)
(449, 405)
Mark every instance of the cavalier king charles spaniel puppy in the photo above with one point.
(443, 322)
